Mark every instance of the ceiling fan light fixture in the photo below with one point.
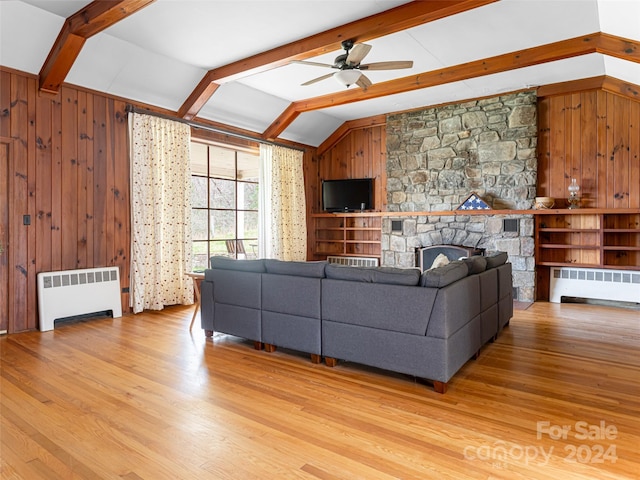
(347, 77)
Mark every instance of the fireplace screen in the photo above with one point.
(426, 255)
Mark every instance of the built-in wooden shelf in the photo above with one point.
(348, 234)
(585, 238)
(597, 238)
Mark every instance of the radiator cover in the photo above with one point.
(354, 261)
(70, 293)
(618, 285)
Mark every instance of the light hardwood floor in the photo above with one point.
(142, 398)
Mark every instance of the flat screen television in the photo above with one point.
(348, 195)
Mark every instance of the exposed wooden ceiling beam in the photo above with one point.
(384, 23)
(604, 82)
(594, 43)
(86, 22)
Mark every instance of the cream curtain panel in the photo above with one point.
(283, 211)
(160, 212)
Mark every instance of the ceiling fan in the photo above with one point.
(349, 66)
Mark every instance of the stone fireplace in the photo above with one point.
(437, 157)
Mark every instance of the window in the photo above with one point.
(224, 201)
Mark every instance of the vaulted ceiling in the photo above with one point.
(231, 62)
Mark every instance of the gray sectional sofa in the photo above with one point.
(425, 324)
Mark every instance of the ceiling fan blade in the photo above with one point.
(319, 79)
(314, 64)
(357, 53)
(363, 82)
(387, 65)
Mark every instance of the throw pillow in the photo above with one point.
(440, 261)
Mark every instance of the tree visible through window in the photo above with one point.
(224, 200)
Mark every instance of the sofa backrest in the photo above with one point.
(236, 287)
(377, 305)
(495, 259)
(291, 295)
(226, 263)
(298, 269)
(384, 275)
(476, 264)
(445, 275)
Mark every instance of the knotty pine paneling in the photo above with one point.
(360, 154)
(71, 175)
(593, 136)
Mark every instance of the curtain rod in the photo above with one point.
(131, 109)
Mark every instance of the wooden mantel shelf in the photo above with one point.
(551, 211)
(583, 211)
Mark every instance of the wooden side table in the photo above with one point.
(197, 278)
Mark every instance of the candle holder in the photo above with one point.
(574, 199)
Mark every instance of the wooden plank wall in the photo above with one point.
(593, 136)
(362, 153)
(71, 176)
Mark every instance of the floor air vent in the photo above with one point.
(619, 285)
(71, 293)
(354, 261)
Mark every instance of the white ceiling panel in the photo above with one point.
(620, 17)
(26, 35)
(62, 8)
(311, 128)
(243, 107)
(111, 65)
(214, 33)
(506, 26)
(626, 71)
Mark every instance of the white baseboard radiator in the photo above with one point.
(354, 261)
(71, 293)
(617, 285)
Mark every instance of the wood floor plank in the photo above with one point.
(141, 397)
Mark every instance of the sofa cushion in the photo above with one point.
(475, 264)
(297, 269)
(443, 276)
(387, 275)
(226, 263)
(495, 259)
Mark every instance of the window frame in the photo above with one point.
(250, 250)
